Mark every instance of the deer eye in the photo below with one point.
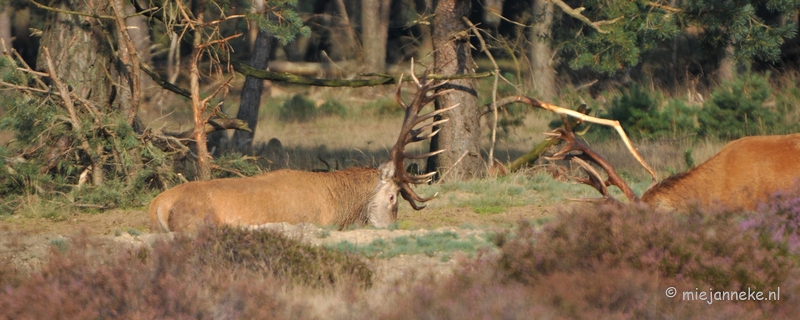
(391, 198)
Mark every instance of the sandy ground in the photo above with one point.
(25, 242)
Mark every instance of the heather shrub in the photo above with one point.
(708, 249)
(778, 222)
(222, 273)
(268, 251)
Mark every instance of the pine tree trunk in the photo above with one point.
(82, 59)
(461, 135)
(375, 33)
(5, 25)
(252, 91)
(541, 53)
(727, 65)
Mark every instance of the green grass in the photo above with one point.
(487, 210)
(431, 244)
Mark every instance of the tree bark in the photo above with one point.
(425, 47)
(461, 135)
(5, 25)
(727, 65)
(80, 50)
(198, 106)
(541, 54)
(375, 33)
(82, 61)
(251, 92)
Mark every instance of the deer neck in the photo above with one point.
(352, 193)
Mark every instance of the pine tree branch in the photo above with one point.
(664, 7)
(576, 13)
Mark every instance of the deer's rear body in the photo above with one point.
(743, 175)
(291, 196)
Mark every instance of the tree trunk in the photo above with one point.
(198, 105)
(82, 59)
(251, 92)
(81, 54)
(139, 31)
(727, 65)
(461, 135)
(375, 33)
(425, 47)
(5, 25)
(541, 54)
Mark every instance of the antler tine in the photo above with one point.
(412, 197)
(408, 134)
(417, 137)
(573, 144)
(417, 131)
(397, 94)
(414, 76)
(436, 112)
(422, 155)
(594, 177)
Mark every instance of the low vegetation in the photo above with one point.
(591, 262)
(441, 244)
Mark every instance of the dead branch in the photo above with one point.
(296, 79)
(496, 70)
(211, 126)
(575, 114)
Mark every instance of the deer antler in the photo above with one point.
(409, 134)
(587, 154)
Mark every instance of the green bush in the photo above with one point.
(384, 106)
(297, 109)
(736, 109)
(639, 113)
(333, 108)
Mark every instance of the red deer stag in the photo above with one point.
(743, 175)
(342, 198)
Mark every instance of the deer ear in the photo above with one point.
(387, 171)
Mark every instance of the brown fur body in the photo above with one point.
(744, 174)
(340, 197)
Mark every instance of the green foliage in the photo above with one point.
(283, 22)
(333, 108)
(632, 28)
(688, 159)
(297, 109)
(385, 106)
(747, 25)
(489, 210)
(625, 41)
(737, 109)
(235, 164)
(638, 112)
(46, 161)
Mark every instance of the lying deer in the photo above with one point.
(341, 198)
(746, 173)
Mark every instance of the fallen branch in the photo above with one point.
(296, 79)
(211, 126)
(575, 114)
